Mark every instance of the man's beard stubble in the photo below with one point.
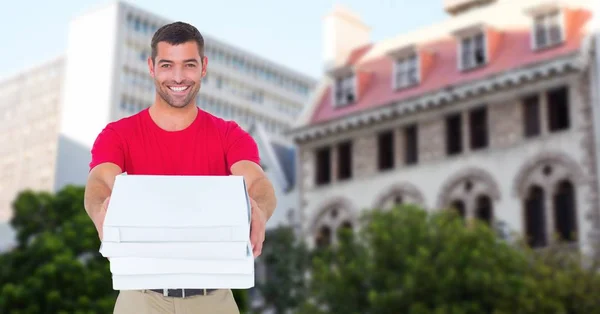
(164, 94)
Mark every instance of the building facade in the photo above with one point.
(493, 112)
(239, 85)
(29, 122)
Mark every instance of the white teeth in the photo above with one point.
(178, 89)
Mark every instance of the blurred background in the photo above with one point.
(439, 156)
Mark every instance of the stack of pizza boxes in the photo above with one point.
(179, 232)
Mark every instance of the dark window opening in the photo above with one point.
(479, 128)
(565, 219)
(386, 150)
(535, 218)
(558, 109)
(345, 160)
(484, 210)
(459, 207)
(323, 166)
(323, 238)
(411, 149)
(454, 134)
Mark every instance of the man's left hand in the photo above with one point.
(257, 228)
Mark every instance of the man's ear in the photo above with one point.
(151, 66)
(204, 65)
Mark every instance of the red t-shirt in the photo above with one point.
(209, 146)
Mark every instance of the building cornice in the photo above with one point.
(452, 93)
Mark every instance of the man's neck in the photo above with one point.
(173, 119)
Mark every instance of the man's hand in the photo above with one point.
(98, 218)
(97, 192)
(257, 228)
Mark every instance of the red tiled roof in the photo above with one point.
(513, 52)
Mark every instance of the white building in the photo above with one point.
(50, 115)
(239, 85)
(29, 122)
(493, 111)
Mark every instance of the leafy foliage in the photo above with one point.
(285, 261)
(409, 261)
(56, 266)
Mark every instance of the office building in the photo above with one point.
(29, 123)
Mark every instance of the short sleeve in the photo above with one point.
(239, 145)
(108, 147)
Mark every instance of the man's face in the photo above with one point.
(177, 72)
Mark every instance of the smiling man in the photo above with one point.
(175, 137)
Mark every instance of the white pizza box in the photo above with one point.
(181, 250)
(162, 208)
(172, 266)
(180, 227)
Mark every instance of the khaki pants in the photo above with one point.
(149, 302)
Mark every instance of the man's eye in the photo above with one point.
(165, 65)
(191, 65)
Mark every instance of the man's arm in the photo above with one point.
(97, 191)
(260, 188)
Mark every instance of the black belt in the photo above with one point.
(183, 293)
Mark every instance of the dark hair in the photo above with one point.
(177, 33)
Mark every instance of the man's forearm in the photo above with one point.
(96, 193)
(263, 194)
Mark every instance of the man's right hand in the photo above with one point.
(98, 191)
(99, 218)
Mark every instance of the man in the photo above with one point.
(175, 137)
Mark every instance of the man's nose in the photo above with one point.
(178, 75)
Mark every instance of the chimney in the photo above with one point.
(343, 32)
(456, 7)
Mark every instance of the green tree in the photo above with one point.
(56, 267)
(408, 261)
(285, 261)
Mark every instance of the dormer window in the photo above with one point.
(478, 45)
(406, 72)
(349, 83)
(473, 51)
(345, 91)
(412, 64)
(548, 30)
(550, 24)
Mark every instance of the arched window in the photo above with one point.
(471, 192)
(547, 186)
(331, 219)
